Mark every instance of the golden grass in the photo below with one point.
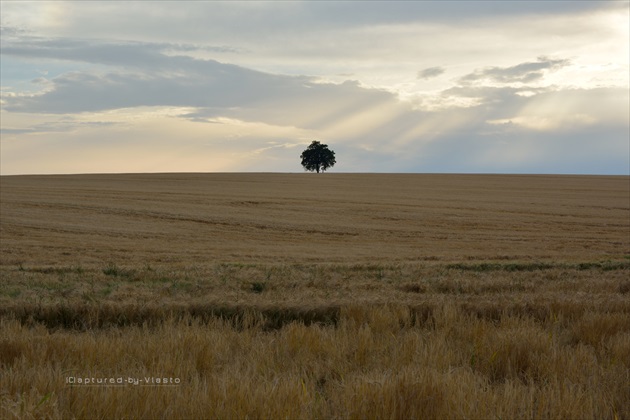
(377, 361)
(197, 219)
(296, 296)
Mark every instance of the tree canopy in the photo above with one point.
(317, 157)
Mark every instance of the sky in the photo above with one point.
(245, 86)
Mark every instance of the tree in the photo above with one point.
(317, 157)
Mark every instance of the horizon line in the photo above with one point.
(315, 174)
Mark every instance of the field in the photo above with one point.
(314, 296)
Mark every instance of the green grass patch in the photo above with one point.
(12, 293)
(258, 286)
(113, 270)
(482, 267)
(535, 266)
(52, 270)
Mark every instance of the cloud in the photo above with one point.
(373, 123)
(512, 149)
(145, 77)
(219, 91)
(520, 73)
(140, 55)
(216, 19)
(64, 125)
(7, 130)
(430, 72)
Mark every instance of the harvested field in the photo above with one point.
(334, 218)
(301, 296)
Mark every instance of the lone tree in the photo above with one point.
(317, 157)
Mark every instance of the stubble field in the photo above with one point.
(301, 296)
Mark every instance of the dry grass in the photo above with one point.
(374, 361)
(188, 219)
(296, 296)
